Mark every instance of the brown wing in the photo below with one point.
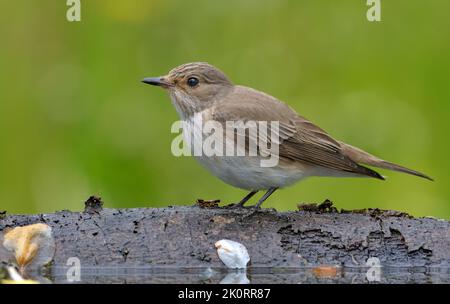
(300, 140)
(313, 145)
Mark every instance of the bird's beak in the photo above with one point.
(157, 81)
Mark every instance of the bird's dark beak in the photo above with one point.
(157, 81)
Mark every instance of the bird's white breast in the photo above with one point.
(240, 171)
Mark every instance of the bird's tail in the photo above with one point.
(363, 157)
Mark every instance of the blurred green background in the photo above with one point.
(75, 119)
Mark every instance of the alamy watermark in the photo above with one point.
(73, 274)
(74, 11)
(230, 139)
(374, 11)
(374, 272)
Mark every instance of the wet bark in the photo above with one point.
(184, 236)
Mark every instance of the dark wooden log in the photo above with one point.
(184, 237)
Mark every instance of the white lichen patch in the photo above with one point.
(31, 246)
(233, 254)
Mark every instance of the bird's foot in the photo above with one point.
(251, 211)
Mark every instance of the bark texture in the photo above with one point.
(184, 236)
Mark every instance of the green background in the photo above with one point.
(75, 119)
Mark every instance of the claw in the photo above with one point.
(236, 206)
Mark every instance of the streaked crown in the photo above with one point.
(203, 70)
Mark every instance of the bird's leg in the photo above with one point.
(245, 199)
(265, 196)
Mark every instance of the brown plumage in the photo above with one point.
(200, 91)
(301, 140)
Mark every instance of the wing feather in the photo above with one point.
(300, 140)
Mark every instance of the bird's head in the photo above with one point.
(193, 87)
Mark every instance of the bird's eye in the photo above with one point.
(192, 81)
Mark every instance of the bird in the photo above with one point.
(202, 93)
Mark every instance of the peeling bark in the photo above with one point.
(184, 237)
